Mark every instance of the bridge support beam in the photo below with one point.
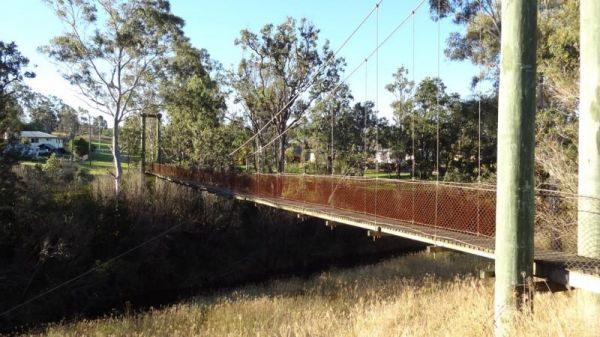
(515, 192)
(588, 217)
(376, 234)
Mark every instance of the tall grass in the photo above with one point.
(417, 295)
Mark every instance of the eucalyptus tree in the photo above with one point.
(110, 51)
(434, 131)
(100, 123)
(402, 107)
(42, 110)
(282, 77)
(12, 74)
(355, 138)
(68, 121)
(325, 127)
(479, 42)
(195, 104)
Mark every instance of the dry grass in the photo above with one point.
(416, 295)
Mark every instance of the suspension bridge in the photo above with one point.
(528, 231)
(460, 217)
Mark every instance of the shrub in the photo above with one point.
(52, 165)
(81, 147)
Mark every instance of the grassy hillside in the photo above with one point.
(417, 295)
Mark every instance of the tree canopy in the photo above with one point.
(111, 51)
(284, 74)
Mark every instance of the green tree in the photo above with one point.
(401, 133)
(131, 134)
(111, 51)
(330, 109)
(558, 56)
(558, 65)
(282, 77)
(462, 162)
(433, 110)
(52, 165)
(355, 136)
(100, 123)
(558, 94)
(81, 147)
(68, 121)
(196, 108)
(12, 74)
(479, 42)
(42, 111)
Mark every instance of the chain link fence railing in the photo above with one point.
(465, 208)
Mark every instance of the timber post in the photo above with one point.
(143, 150)
(588, 215)
(516, 142)
(158, 136)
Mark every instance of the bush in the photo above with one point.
(52, 165)
(81, 147)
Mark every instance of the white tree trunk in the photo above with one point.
(117, 157)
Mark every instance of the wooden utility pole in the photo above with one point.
(588, 216)
(589, 131)
(516, 123)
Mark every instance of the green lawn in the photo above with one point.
(100, 163)
(311, 168)
(391, 175)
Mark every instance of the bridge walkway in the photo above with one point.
(559, 267)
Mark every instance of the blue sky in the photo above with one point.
(214, 25)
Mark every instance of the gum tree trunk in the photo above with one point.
(117, 157)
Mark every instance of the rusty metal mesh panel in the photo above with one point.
(349, 194)
(456, 207)
(464, 208)
(556, 229)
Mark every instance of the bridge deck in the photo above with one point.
(560, 267)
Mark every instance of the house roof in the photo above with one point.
(35, 134)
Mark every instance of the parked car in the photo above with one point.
(21, 150)
(46, 150)
(43, 152)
